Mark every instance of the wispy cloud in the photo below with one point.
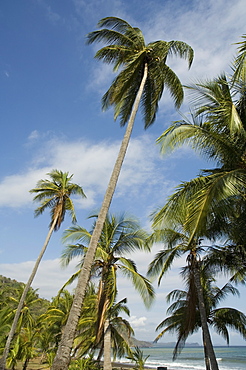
(51, 15)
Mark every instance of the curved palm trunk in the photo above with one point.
(62, 358)
(206, 335)
(107, 364)
(23, 297)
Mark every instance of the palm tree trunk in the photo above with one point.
(203, 316)
(25, 363)
(62, 358)
(206, 358)
(23, 297)
(107, 365)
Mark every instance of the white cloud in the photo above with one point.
(137, 322)
(14, 189)
(91, 164)
(49, 279)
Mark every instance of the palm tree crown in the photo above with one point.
(218, 132)
(127, 50)
(120, 236)
(55, 194)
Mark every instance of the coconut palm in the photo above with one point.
(53, 194)
(177, 244)
(120, 236)
(184, 313)
(203, 206)
(142, 78)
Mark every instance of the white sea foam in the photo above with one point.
(193, 358)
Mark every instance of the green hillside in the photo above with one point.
(10, 288)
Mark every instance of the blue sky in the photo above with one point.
(51, 117)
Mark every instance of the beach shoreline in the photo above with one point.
(123, 366)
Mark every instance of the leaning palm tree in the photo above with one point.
(142, 78)
(120, 236)
(53, 194)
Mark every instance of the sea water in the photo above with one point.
(192, 358)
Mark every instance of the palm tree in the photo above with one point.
(53, 193)
(120, 236)
(217, 131)
(203, 206)
(177, 244)
(143, 76)
(184, 313)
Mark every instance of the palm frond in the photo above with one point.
(141, 283)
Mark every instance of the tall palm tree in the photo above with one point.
(203, 206)
(176, 245)
(53, 194)
(120, 236)
(184, 313)
(142, 78)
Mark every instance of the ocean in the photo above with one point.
(192, 358)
